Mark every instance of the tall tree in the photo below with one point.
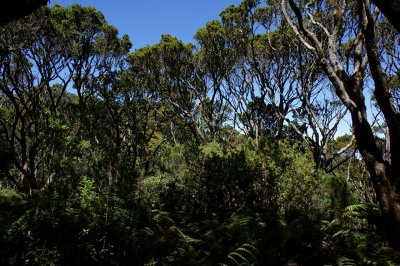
(164, 72)
(215, 62)
(285, 77)
(68, 52)
(323, 34)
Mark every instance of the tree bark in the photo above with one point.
(391, 10)
(349, 88)
(385, 174)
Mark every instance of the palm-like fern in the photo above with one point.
(356, 238)
(362, 210)
(243, 255)
(343, 261)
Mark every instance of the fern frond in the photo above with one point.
(341, 233)
(162, 216)
(343, 261)
(244, 255)
(231, 257)
(246, 251)
(186, 238)
(359, 210)
(252, 247)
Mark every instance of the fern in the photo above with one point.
(340, 233)
(362, 210)
(162, 217)
(244, 255)
(252, 248)
(355, 237)
(234, 254)
(343, 261)
(184, 237)
(247, 251)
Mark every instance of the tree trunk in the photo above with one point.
(381, 175)
(391, 10)
(385, 176)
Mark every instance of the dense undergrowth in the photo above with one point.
(223, 152)
(205, 205)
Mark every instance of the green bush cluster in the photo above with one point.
(209, 205)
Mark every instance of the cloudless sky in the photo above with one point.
(145, 20)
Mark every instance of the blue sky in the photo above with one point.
(145, 21)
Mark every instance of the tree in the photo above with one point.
(215, 63)
(259, 119)
(391, 10)
(30, 104)
(84, 52)
(164, 73)
(285, 77)
(14, 10)
(322, 34)
(267, 68)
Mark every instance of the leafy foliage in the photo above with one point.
(219, 153)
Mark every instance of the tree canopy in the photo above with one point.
(227, 151)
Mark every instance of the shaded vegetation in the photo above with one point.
(224, 152)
